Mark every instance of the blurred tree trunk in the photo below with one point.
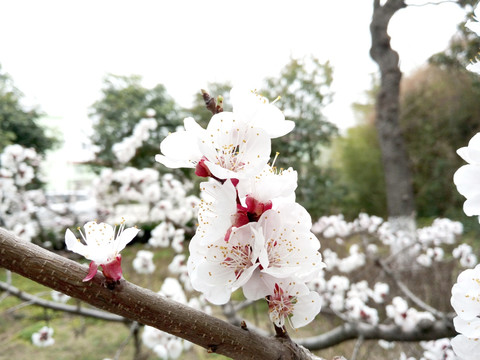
(398, 176)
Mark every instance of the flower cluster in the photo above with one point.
(465, 301)
(251, 233)
(20, 206)
(145, 197)
(466, 291)
(126, 149)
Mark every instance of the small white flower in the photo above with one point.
(59, 297)
(43, 337)
(103, 244)
(143, 262)
(219, 267)
(289, 301)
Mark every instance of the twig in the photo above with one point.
(9, 282)
(77, 310)
(408, 293)
(133, 330)
(434, 3)
(356, 349)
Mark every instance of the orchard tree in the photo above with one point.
(398, 177)
(18, 125)
(439, 110)
(125, 101)
(463, 46)
(395, 161)
(303, 88)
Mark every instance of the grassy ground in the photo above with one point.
(91, 339)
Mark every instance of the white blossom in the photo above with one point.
(103, 244)
(143, 262)
(43, 337)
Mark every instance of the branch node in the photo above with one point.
(211, 104)
(281, 332)
(212, 348)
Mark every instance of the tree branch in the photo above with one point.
(142, 305)
(77, 310)
(406, 291)
(434, 3)
(425, 330)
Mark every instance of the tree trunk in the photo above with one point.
(398, 177)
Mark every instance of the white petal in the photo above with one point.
(469, 328)
(73, 244)
(465, 293)
(179, 149)
(472, 205)
(255, 288)
(465, 348)
(467, 180)
(306, 308)
(193, 127)
(125, 237)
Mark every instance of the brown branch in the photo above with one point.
(142, 305)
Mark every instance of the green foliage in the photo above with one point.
(440, 112)
(123, 104)
(304, 87)
(359, 163)
(464, 45)
(17, 124)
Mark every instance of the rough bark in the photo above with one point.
(398, 177)
(142, 305)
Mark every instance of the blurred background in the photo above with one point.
(89, 89)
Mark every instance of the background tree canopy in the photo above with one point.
(124, 102)
(439, 110)
(18, 125)
(304, 88)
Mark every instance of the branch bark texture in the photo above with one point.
(398, 178)
(142, 305)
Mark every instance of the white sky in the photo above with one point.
(59, 51)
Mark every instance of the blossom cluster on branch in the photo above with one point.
(251, 233)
